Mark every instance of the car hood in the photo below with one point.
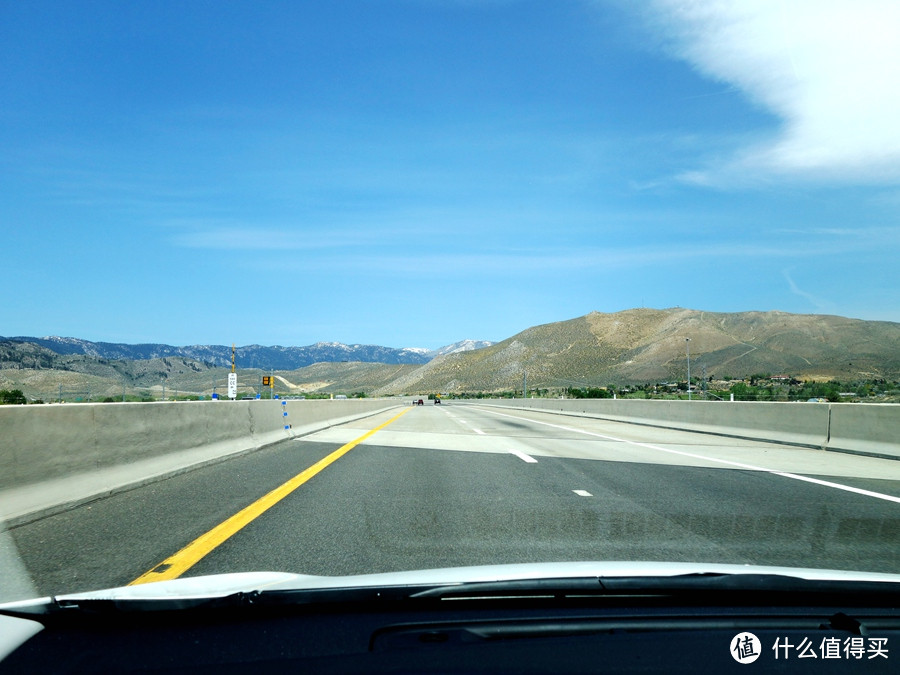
(222, 585)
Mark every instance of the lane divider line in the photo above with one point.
(176, 565)
(468, 424)
(739, 465)
(582, 493)
(525, 458)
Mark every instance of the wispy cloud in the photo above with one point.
(493, 263)
(249, 237)
(817, 302)
(829, 69)
(874, 238)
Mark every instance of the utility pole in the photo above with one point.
(687, 346)
(525, 384)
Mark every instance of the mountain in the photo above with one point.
(43, 374)
(50, 368)
(630, 347)
(462, 346)
(250, 356)
(649, 345)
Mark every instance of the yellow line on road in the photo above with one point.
(176, 565)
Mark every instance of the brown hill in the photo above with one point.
(43, 374)
(648, 345)
(630, 347)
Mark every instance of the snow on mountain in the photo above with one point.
(463, 346)
(252, 356)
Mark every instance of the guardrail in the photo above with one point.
(54, 455)
(861, 428)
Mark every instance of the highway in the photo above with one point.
(467, 484)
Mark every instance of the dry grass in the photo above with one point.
(634, 346)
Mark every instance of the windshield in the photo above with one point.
(348, 287)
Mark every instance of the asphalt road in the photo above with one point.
(452, 485)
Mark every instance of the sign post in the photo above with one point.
(232, 378)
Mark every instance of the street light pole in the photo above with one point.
(687, 348)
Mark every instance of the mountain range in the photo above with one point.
(250, 356)
(629, 347)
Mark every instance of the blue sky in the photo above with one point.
(416, 172)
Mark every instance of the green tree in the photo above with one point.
(12, 397)
(744, 392)
(588, 392)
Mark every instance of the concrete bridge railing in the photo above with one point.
(54, 456)
(862, 428)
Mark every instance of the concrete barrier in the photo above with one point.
(865, 429)
(54, 456)
(41, 443)
(861, 428)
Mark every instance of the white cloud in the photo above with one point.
(247, 237)
(829, 69)
(817, 302)
(494, 263)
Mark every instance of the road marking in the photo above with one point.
(524, 457)
(468, 424)
(179, 563)
(739, 465)
(582, 493)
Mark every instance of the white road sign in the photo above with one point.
(232, 385)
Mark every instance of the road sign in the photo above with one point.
(232, 385)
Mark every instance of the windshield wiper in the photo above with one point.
(705, 586)
(695, 588)
(60, 607)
